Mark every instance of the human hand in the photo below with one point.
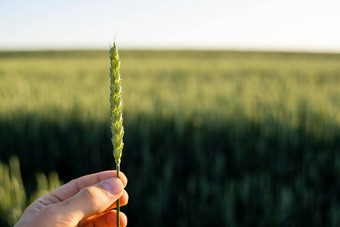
(85, 202)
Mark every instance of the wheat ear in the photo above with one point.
(116, 111)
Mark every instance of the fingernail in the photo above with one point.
(113, 185)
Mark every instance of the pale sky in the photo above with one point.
(189, 24)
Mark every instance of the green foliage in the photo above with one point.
(45, 184)
(246, 138)
(12, 191)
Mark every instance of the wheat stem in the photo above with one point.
(118, 200)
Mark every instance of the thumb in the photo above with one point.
(91, 200)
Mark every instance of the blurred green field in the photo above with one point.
(213, 138)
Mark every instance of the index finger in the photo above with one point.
(73, 187)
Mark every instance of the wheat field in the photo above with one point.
(254, 136)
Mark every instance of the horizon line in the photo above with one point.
(167, 48)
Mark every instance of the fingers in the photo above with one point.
(108, 219)
(90, 200)
(73, 187)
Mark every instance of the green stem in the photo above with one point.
(118, 204)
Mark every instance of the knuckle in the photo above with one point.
(90, 195)
(76, 185)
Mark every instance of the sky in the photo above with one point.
(177, 24)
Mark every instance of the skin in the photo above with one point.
(85, 202)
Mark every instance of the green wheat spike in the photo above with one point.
(116, 111)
